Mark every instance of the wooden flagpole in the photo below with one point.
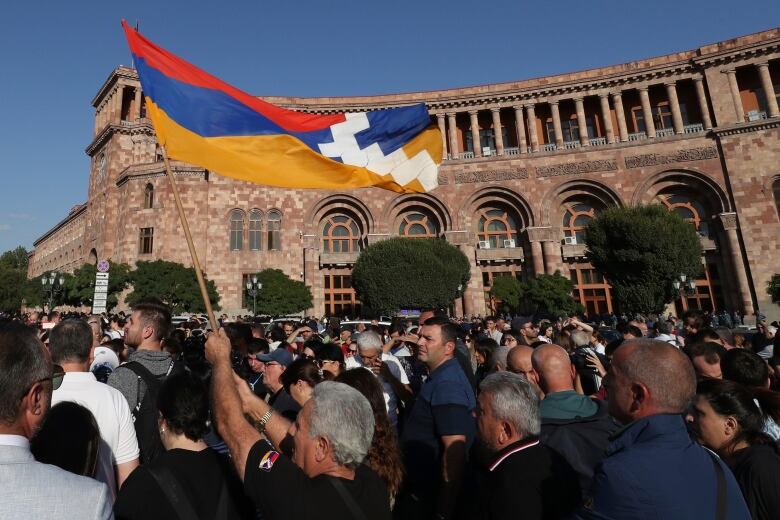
(195, 263)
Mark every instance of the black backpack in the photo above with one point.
(145, 413)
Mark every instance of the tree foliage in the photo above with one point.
(13, 279)
(80, 288)
(15, 259)
(552, 294)
(509, 290)
(773, 288)
(409, 273)
(280, 294)
(641, 250)
(172, 283)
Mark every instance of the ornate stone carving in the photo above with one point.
(541, 234)
(577, 167)
(488, 176)
(690, 154)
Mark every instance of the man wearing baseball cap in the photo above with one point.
(274, 365)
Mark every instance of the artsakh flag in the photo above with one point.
(202, 120)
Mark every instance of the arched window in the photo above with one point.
(776, 192)
(236, 230)
(340, 234)
(418, 224)
(274, 230)
(689, 209)
(149, 196)
(255, 229)
(576, 218)
(498, 227)
(101, 167)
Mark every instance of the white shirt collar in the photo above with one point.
(14, 440)
(79, 376)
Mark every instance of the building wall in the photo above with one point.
(701, 148)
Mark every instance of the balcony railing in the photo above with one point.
(511, 151)
(693, 129)
(755, 115)
(637, 136)
(664, 132)
(598, 141)
(549, 147)
(568, 145)
(466, 155)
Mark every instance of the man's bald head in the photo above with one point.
(518, 360)
(649, 377)
(553, 366)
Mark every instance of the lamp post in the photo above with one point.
(684, 286)
(253, 289)
(52, 285)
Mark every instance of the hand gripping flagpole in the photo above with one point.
(195, 263)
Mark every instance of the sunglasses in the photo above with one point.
(57, 375)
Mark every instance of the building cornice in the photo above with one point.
(74, 213)
(113, 78)
(140, 127)
(157, 169)
(744, 128)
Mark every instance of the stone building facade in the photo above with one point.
(526, 165)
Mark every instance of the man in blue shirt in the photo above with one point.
(652, 468)
(439, 430)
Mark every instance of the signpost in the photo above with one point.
(101, 288)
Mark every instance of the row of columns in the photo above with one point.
(766, 85)
(448, 126)
(547, 257)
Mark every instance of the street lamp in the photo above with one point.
(253, 289)
(682, 282)
(52, 285)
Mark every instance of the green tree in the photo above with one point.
(15, 259)
(409, 273)
(509, 290)
(13, 279)
(280, 294)
(773, 288)
(80, 288)
(12, 289)
(35, 294)
(641, 250)
(552, 294)
(172, 283)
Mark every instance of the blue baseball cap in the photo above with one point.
(279, 355)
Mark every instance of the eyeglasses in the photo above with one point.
(56, 377)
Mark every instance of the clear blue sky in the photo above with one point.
(55, 55)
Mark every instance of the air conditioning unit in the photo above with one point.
(486, 151)
(753, 115)
(484, 244)
(570, 241)
(509, 243)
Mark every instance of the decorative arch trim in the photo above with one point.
(687, 178)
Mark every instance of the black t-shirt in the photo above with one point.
(285, 405)
(757, 470)
(281, 490)
(200, 475)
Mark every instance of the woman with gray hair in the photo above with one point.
(331, 434)
(523, 477)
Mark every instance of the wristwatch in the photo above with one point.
(263, 422)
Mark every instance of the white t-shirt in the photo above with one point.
(112, 414)
(391, 400)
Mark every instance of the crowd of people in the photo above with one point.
(130, 416)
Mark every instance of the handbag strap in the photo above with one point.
(172, 490)
(354, 508)
(720, 508)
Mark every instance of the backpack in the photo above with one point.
(145, 413)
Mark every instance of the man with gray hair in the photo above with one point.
(524, 478)
(331, 436)
(387, 368)
(31, 489)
